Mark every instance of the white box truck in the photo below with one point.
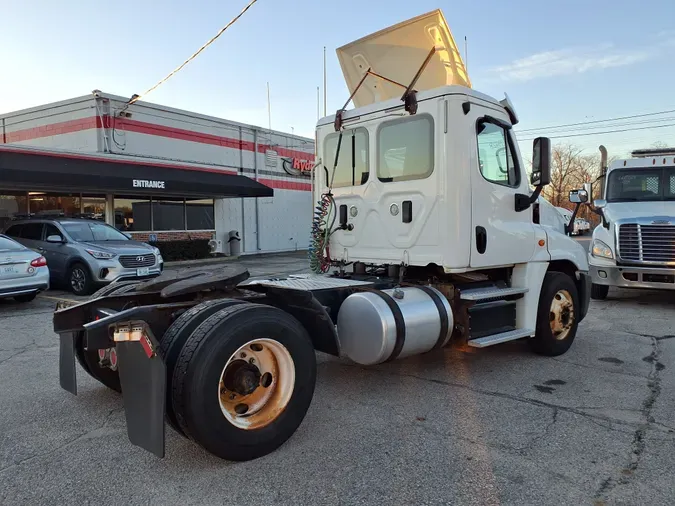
(426, 234)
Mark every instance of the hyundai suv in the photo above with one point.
(85, 254)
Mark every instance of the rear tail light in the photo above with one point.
(39, 262)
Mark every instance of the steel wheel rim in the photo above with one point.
(77, 279)
(561, 314)
(266, 403)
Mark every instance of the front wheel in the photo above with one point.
(599, 292)
(557, 315)
(79, 279)
(244, 381)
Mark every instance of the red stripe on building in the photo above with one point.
(142, 127)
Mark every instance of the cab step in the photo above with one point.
(490, 293)
(511, 335)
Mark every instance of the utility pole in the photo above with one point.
(269, 108)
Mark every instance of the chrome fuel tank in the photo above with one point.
(378, 326)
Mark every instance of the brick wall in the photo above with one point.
(171, 236)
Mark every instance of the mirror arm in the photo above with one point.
(524, 202)
(569, 227)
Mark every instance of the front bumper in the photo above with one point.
(633, 277)
(107, 272)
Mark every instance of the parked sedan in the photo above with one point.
(23, 272)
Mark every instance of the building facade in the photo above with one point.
(157, 173)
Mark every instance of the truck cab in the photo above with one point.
(634, 244)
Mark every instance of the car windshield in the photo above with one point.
(84, 232)
(635, 185)
(6, 244)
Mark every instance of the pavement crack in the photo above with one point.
(638, 443)
(98, 431)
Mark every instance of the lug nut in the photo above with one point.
(251, 360)
(243, 355)
(232, 396)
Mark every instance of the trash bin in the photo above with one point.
(234, 243)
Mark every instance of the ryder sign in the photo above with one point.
(297, 166)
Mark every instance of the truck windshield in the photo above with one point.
(636, 185)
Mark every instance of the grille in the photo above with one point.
(133, 261)
(651, 244)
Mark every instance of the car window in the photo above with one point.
(14, 231)
(406, 149)
(84, 231)
(52, 230)
(32, 231)
(6, 244)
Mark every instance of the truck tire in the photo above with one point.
(220, 397)
(89, 359)
(174, 338)
(557, 315)
(599, 292)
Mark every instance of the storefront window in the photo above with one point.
(199, 214)
(133, 215)
(45, 204)
(12, 206)
(168, 215)
(93, 208)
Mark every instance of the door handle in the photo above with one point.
(481, 239)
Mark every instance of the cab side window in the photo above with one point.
(495, 155)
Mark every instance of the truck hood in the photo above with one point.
(658, 210)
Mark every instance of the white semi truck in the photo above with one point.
(634, 244)
(426, 235)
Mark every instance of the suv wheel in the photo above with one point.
(79, 279)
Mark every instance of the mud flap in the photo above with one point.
(67, 374)
(143, 380)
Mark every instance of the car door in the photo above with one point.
(31, 236)
(56, 253)
(501, 236)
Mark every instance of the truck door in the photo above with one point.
(500, 235)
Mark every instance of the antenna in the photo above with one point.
(318, 106)
(269, 107)
(324, 80)
(466, 55)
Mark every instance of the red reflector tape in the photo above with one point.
(147, 346)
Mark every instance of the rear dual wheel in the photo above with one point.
(243, 381)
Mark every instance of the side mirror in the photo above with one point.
(55, 239)
(600, 203)
(541, 161)
(578, 196)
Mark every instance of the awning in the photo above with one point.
(32, 169)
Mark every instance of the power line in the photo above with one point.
(222, 30)
(602, 133)
(552, 127)
(589, 129)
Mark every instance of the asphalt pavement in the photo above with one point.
(486, 427)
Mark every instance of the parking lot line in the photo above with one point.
(58, 299)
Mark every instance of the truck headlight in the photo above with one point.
(600, 249)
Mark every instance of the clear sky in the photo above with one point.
(560, 62)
